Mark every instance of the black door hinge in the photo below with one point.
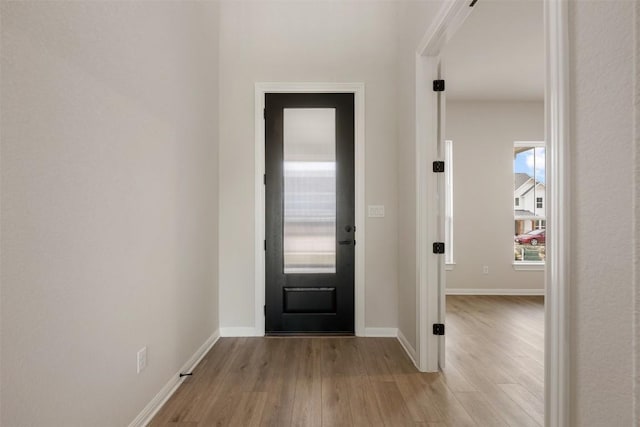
(438, 247)
(264, 309)
(265, 245)
(438, 85)
(264, 113)
(438, 329)
(264, 179)
(438, 166)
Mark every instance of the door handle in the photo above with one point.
(344, 242)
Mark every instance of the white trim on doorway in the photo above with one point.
(303, 87)
(556, 380)
(429, 296)
(449, 19)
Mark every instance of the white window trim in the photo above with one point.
(448, 171)
(535, 144)
(530, 265)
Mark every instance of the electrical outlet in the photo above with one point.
(485, 269)
(142, 359)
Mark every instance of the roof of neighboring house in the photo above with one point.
(523, 213)
(519, 179)
(538, 184)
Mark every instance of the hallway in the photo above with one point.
(493, 377)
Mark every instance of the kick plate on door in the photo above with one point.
(309, 300)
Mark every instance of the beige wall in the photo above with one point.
(109, 113)
(602, 196)
(483, 134)
(306, 42)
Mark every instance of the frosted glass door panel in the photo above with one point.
(309, 140)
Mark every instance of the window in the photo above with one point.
(448, 170)
(309, 223)
(529, 193)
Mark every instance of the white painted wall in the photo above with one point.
(483, 134)
(108, 167)
(413, 20)
(603, 147)
(292, 41)
(636, 270)
(109, 203)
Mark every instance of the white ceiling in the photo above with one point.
(498, 53)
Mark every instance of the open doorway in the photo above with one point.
(479, 264)
(494, 140)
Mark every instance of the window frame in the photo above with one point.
(531, 265)
(448, 182)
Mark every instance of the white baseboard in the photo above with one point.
(408, 348)
(169, 388)
(242, 331)
(381, 332)
(505, 292)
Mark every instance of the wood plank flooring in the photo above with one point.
(494, 377)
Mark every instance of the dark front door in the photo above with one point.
(310, 231)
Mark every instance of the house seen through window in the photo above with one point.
(529, 207)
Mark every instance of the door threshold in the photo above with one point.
(309, 335)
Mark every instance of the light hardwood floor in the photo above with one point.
(494, 376)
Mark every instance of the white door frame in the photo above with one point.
(358, 90)
(449, 19)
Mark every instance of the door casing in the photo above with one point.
(358, 89)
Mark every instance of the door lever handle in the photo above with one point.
(344, 242)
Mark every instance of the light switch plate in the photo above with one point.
(376, 211)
